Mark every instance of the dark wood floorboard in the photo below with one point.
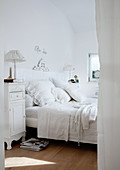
(64, 155)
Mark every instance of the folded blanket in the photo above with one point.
(87, 113)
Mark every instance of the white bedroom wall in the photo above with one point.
(39, 22)
(85, 42)
(36, 22)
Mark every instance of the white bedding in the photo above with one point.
(71, 121)
(32, 116)
(54, 120)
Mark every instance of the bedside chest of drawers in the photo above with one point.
(14, 112)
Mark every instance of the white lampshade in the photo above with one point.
(69, 68)
(14, 56)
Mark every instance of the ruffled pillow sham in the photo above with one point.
(41, 92)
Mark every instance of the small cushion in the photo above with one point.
(59, 83)
(60, 95)
(75, 93)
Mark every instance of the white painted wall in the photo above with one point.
(38, 22)
(85, 42)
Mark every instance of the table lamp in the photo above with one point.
(14, 56)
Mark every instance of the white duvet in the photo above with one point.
(54, 119)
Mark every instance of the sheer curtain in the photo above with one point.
(108, 32)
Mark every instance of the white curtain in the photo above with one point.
(108, 31)
(1, 88)
(1, 112)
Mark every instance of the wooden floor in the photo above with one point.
(59, 155)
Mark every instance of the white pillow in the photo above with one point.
(35, 86)
(60, 95)
(30, 85)
(43, 98)
(28, 101)
(59, 83)
(75, 93)
(41, 93)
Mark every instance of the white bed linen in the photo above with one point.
(32, 116)
(54, 120)
(32, 112)
(66, 128)
(31, 122)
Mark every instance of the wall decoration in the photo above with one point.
(38, 50)
(41, 66)
(93, 67)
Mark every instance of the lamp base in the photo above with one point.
(9, 80)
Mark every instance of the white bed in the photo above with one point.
(62, 111)
(57, 121)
